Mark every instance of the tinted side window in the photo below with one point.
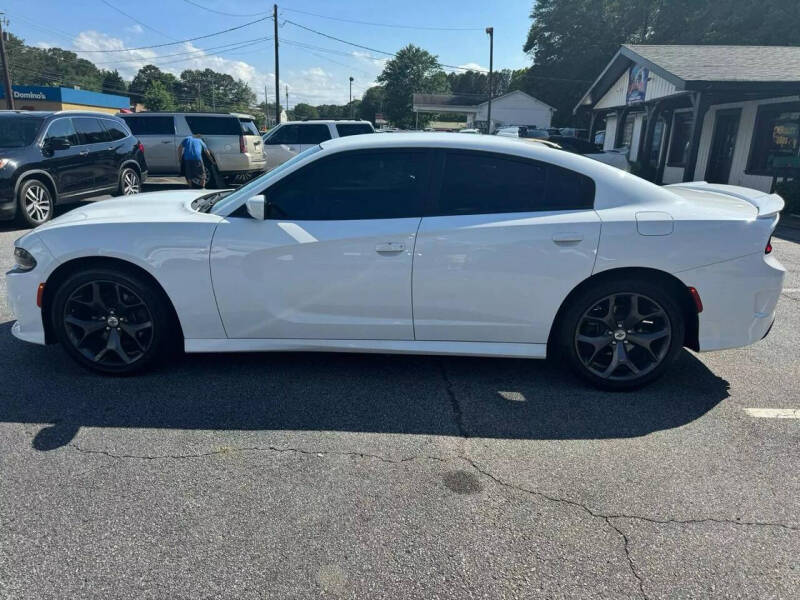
(62, 129)
(214, 125)
(314, 134)
(288, 134)
(346, 129)
(151, 125)
(115, 130)
(475, 183)
(91, 131)
(354, 185)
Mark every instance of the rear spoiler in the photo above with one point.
(768, 205)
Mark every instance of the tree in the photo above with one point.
(157, 97)
(412, 70)
(49, 66)
(371, 103)
(305, 111)
(113, 83)
(214, 91)
(146, 76)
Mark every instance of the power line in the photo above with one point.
(200, 37)
(145, 25)
(423, 27)
(220, 12)
(198, 51)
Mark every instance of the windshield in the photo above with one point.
(258, 184)
(18, 131)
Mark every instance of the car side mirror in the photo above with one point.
(57, 144)
(257, 207)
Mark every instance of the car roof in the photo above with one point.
(59, 113)
(326, 121)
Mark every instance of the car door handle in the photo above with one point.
(84, 152)
(567, 238)
(390, 247)
(167, 142)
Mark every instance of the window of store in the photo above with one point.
(627, 132)
(681, 138)
(776, 139)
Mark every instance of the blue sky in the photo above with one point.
(314, 67)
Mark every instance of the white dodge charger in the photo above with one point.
(410, 243)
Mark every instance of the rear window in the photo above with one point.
(150, 125)
(91, 131)
(115, 130)
(214, 125)
(346, 129)
(248, 127)
(16, 132)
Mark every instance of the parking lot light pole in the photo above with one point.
(277, 74)
(6, 73)
(351, 97)
(490, 31)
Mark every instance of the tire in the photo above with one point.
(35, 204)
(111, 321)
(214, 180)
(130, 182)
(621, 335)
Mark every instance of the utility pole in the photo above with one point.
(266, 111)
(351, 97)
(6, 74)
(287, 98)
(277, 74)
(490, 31)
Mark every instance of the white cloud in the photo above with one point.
(473, 66)
(314, 85)
(135, 28)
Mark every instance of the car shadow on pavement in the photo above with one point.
(475, 397)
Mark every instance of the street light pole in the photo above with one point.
(490, 31)
(6, 73)
(351, 97)
(277, 74)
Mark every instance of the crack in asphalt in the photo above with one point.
(458, 415)
(631, 565)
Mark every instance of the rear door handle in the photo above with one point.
(84, 152)
(567, 238)
(167, 142)
(390, 247)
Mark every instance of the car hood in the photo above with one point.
(153, 207)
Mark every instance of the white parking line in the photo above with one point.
(774, 413)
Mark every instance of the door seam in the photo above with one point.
(413, 258)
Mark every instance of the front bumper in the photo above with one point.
(739, 299)
(22, 290)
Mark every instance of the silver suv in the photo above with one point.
(233, 139)
(287, 139)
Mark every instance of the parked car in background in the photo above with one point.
(573, 132)
(574, 144)
(469, 130)
(49, 158)
(289, 139)
(518, 250)
(525, 131)
(232, 139)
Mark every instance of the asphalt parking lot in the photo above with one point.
(349, 476)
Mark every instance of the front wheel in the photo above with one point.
(35, 203)
(111, 321)
(622, 335)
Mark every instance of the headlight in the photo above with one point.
(3, 162)
(24, 259)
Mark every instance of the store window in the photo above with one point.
(776, 139)
(627, 132)
(681, 138)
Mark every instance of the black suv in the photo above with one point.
(49, 158)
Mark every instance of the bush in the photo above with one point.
(790, 192)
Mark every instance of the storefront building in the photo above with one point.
(30, 97)
(724, 114)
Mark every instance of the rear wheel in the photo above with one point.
(621, 335)
(35, 203)
(129, 182)
(111, 321)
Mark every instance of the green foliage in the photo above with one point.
(113, 83)
(146, 76)
(477, 84)
(371, 103)
(305, 111)
(789, 190)
(412, 70)
(157, 97)
(49, 66)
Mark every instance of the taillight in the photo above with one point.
(768, 249)
(698, 304)
(242, 147)
(141, 147)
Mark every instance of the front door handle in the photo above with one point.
(567, 238)
(167, 142)
(84, 152)
(390, 247)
